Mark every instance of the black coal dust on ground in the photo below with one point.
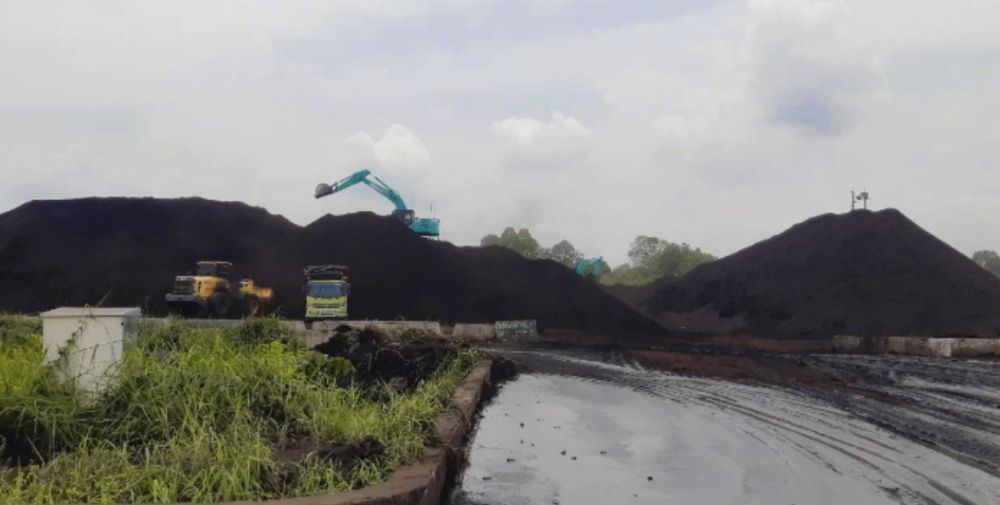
(126, 251)
(866, 273)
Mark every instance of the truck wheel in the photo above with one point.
(221, 304)
(251, 306)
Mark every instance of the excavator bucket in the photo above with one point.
(323, 189)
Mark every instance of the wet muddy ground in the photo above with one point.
(584, 427)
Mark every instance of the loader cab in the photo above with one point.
(214, 269)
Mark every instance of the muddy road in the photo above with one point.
(598, 428)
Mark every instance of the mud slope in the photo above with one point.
(79, 251)
(869, 273)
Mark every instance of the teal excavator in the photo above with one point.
(590, 266)
(421, 226)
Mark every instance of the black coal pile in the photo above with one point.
(126, 251)
(865, 273)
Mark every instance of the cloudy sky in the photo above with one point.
(716, 123)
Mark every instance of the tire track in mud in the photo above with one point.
(822, 431)
(951, 405)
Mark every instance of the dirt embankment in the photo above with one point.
(866, 273)
(126, 251)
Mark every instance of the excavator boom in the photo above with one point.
(424, 227)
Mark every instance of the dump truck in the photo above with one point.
(327, 289)
(210, 293)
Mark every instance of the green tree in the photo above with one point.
(519, 241)
(989, 260)
(651, 258)
(490, 240)
(564, 253)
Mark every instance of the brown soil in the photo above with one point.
(865, 273)
(126, 251)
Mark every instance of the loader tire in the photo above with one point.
(251, 306)
(220, 304)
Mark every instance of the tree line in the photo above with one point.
(650, 258)
(989, 260)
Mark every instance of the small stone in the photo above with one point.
(563, 453)
(604, 452)
(487, 477)
(573, 458)
(649, 478)
(510, 460)
(522, 442)
(522, 425)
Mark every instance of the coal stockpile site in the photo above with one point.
(864, 273)
(126, 251)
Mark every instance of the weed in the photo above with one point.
(195, 415)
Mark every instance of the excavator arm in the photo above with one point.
(422, 227)
(361, 176)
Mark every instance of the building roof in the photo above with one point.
(92, 312)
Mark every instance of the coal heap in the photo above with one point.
(864, 273)
(125, 251)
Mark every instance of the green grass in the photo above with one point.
(194, 415)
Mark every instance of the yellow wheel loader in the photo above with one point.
(209, 293)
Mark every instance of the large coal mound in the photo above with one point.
(126, 251)
(865, 273)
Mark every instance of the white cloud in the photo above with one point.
(809, 65)
(398, 149)
(526, 139)
(715, 123)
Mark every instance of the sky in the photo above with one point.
(715, 123)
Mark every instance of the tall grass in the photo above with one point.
(195, 415)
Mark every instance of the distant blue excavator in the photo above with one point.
(591, 266)
(421, 226)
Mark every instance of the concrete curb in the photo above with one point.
(423, 481)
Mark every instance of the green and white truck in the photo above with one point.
(327, 290)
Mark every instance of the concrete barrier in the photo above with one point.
(847, 343)
(433, 326)
(474, 331)
(517, 331)
(934, 347)
(322, 330)
(975, 347)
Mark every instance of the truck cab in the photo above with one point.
(327, 290)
